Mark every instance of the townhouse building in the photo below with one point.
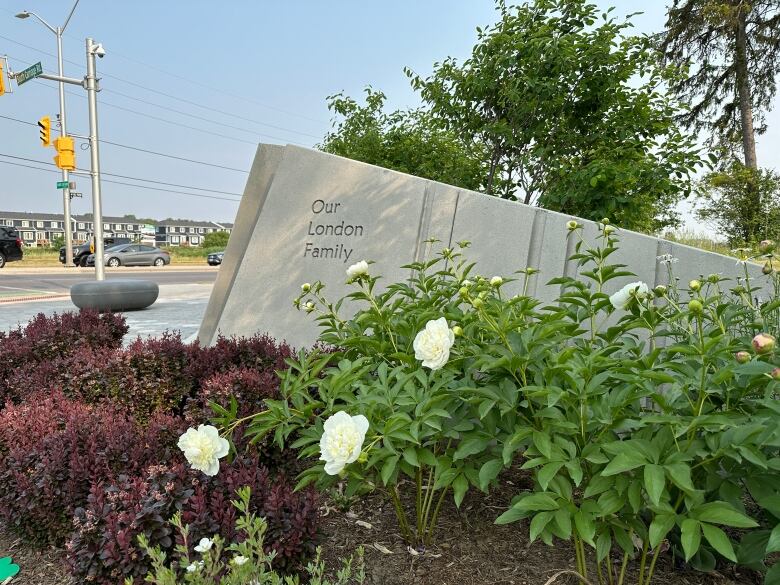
(40, 229)
(184, 232)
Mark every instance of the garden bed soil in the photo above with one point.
(470, 550)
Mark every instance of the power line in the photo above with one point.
(103, 102)
(144, 150)
(211, 120)
(170, 96)
(125, 177)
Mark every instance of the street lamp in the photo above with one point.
(58, 32)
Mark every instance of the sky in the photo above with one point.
(207, 81)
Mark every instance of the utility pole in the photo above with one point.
(67, 224)
(97, 212)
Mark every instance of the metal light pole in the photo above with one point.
(94, 50)
(63, 129)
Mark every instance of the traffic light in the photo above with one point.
(2, 79)
(45, 125)
(66, 154)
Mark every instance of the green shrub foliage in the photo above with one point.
(646, 417)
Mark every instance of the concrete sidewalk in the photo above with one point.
(179, 307)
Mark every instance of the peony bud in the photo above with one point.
(775, 374)
(767, 269)
(305, 287)
(742, 357)
(605, 221)
(363, 457)
(609, 229)
(695, 306)
(463, 291)
(763, 343)
(713, 278)
(466, 282)
(309, 307)
(496, 281)
(694, 285)
(766, 246)
(457, 330)
(660, 290)
(477, 303)
(572, 225)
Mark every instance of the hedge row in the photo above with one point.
(88, 434)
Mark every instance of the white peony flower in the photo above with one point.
(496, 281)
(204, 545)
(432, 344)
(203, 448)
(621, 298)
(358, 269)
(342, 441)
(239, 560)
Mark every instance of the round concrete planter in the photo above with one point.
(114, 295)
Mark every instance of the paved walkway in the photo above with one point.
(180, 307)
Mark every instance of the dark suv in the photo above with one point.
(82, 251)
(10, 245)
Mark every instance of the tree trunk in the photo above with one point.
(492, 173)
(743, 92)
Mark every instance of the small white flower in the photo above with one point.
(203, 448)
(496, 281)
(239, 560)
(432, 344)
(357, 270)
(192, 567)
(466, 282)
(341, 441)
(667, 259)
(204, 545)
(622, 298)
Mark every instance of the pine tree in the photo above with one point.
(732, 49)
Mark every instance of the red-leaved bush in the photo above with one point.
(104, 548)
(53, 449)
(46, 339)
(249, 386)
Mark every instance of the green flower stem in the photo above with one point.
(403, 523)
(372, 300)
(599, 572)
(435, 519)
(623, 569)
(651, 570)
(642, 563)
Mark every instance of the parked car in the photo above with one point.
(10, 246)
(132, 255)
(82, 251)
(215, 258)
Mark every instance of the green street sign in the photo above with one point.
(62, 184)
(29, 73)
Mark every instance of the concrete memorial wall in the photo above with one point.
(307, 216)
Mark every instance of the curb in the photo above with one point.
(23, 299)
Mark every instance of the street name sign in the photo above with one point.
(62, 184)
(29, 73)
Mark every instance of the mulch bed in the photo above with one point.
(470, 550)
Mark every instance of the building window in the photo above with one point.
(117, 226)
(53, 224)
(25, 224)
(174, 239)
(28, 235)
(38, 224)
(81, 225)
(195, 239)
(106, 226)
(200, 230)
(9, 222)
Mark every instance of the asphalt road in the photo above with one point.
(59, 282)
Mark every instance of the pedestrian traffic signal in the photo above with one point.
(66, 154)
(45, 125)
